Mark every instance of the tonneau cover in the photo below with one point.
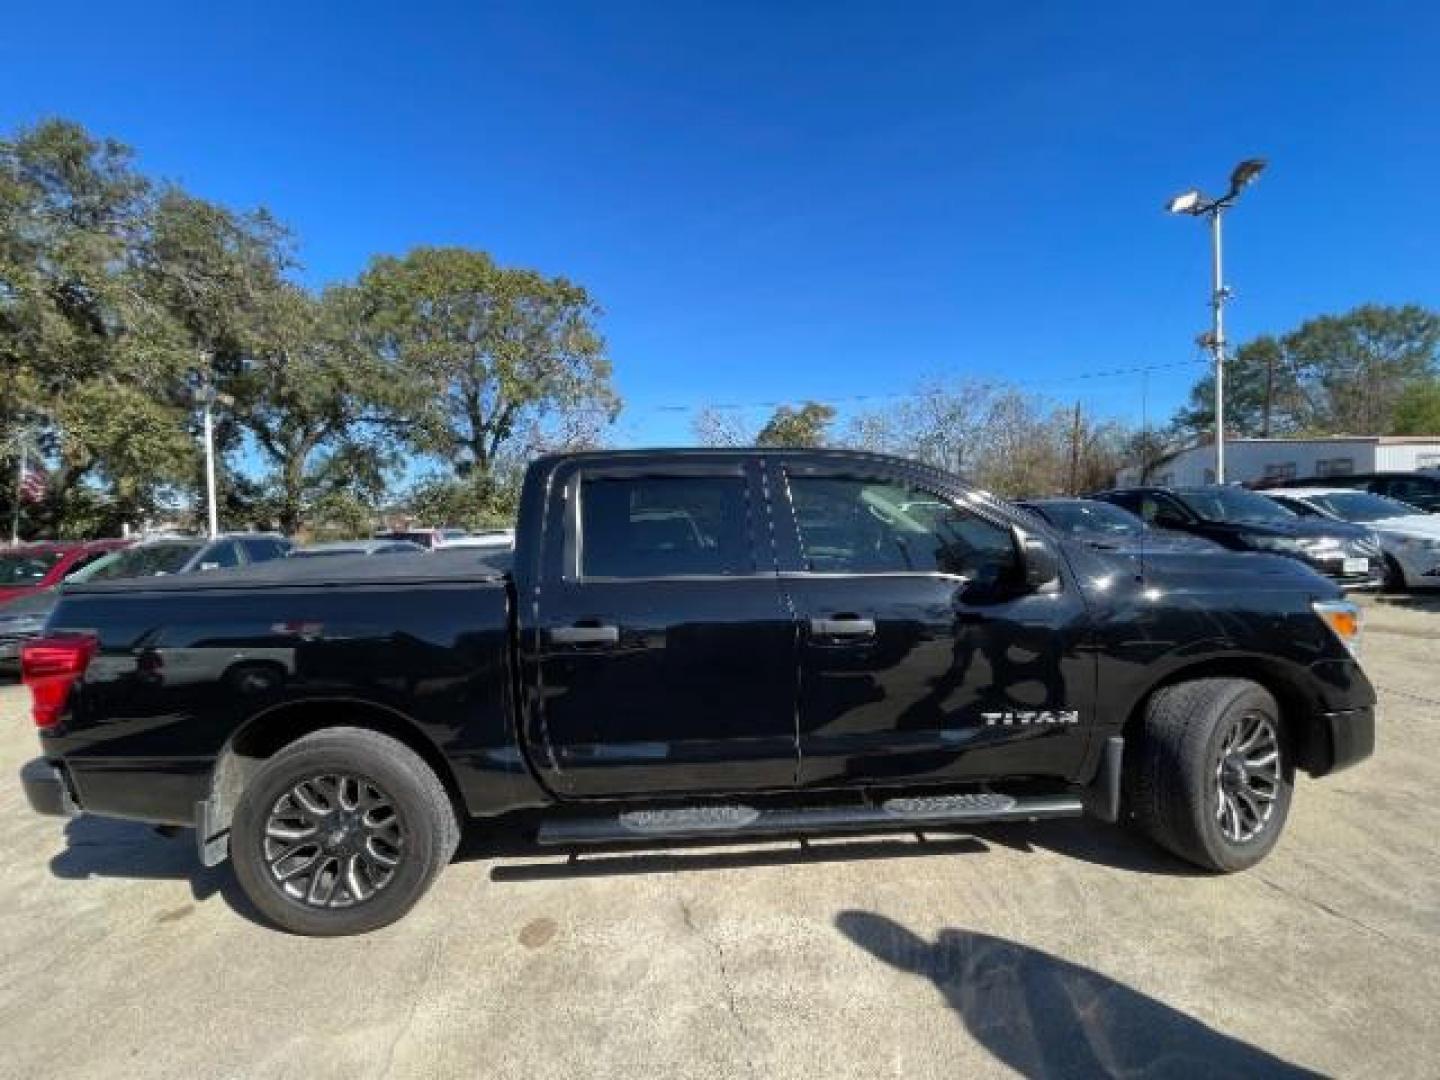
(420, 568)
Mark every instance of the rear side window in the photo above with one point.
(219, 556)
(664, 526)
(262, 548)
(855, 526)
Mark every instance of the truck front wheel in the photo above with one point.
(341, 832)
(1211, 777)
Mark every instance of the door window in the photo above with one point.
(856, 526)
(664, 526)
(261, 548)
(220, 556)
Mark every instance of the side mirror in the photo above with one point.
(1039, 565)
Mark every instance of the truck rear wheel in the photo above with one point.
(1211, 777)
(341, 832)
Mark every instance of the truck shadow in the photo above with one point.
(1105, 846)
(108, 848)
(1046, 1017)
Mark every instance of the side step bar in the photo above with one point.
(684, 822)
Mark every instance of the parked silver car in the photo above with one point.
(1409, 537)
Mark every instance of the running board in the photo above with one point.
(686, 822)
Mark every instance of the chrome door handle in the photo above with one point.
(842, 627)
(585, 635)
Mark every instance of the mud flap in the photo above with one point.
(212, 842)
(1102, 797)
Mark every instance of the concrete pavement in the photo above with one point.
(1059, 949)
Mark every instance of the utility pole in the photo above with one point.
(1197, 205)
(1075, 452)
(1269, 393)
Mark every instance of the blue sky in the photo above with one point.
(779, 201)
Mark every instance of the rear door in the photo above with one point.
(664, 651)
(921, 660)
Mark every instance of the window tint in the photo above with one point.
(82, 562)
(261, 548)
(26, 569)
(875, 527)
(662, 526)
(1153, 505)
(144, 560)
(219, 556)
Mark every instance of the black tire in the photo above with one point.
(1182, 787)
(380, 774)
(1394, 576)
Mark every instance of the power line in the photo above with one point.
(853, 399)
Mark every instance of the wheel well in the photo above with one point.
(262, 736)
(1305, 735)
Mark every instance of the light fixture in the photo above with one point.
(1245, 174)
(1184, 203)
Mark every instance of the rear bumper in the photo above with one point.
(1351, 735)
(46, 789)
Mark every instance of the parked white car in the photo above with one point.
(490, 539)
(1409, 537)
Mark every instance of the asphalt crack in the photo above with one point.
(1334, 913)
(431, 967)
(747, 1038)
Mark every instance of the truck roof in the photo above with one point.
(420, 568)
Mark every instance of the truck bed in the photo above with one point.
(461, 565)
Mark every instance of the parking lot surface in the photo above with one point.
(1062, 948)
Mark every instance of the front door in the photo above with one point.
(922, 659)
(665, 650)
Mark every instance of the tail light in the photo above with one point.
(50, 667)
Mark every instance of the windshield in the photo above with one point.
(1233, 504)
(1362, 506)
(147, 560)
(1092, 517)
(27, 568)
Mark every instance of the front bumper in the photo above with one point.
(46, 789)
(1351, 735)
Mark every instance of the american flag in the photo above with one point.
(32, 486)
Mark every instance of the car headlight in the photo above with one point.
(1345, 620)
(1275, 543)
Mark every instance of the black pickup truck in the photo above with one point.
(695, 644)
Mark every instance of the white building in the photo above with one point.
(1280, 459)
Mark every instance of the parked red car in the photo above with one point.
(31, 567)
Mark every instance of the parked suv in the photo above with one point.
(1244, 520)
(1420, 489)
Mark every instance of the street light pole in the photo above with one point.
(19, 490)
(1197, 205)
(1218, 295)
(209, 403)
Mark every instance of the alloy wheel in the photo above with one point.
(333, 840)
(1247, 777)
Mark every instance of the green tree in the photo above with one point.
(1333, 374)
(805, 426)
(310, 396)
(1417, 410)
(486, 359)
(86, 354)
